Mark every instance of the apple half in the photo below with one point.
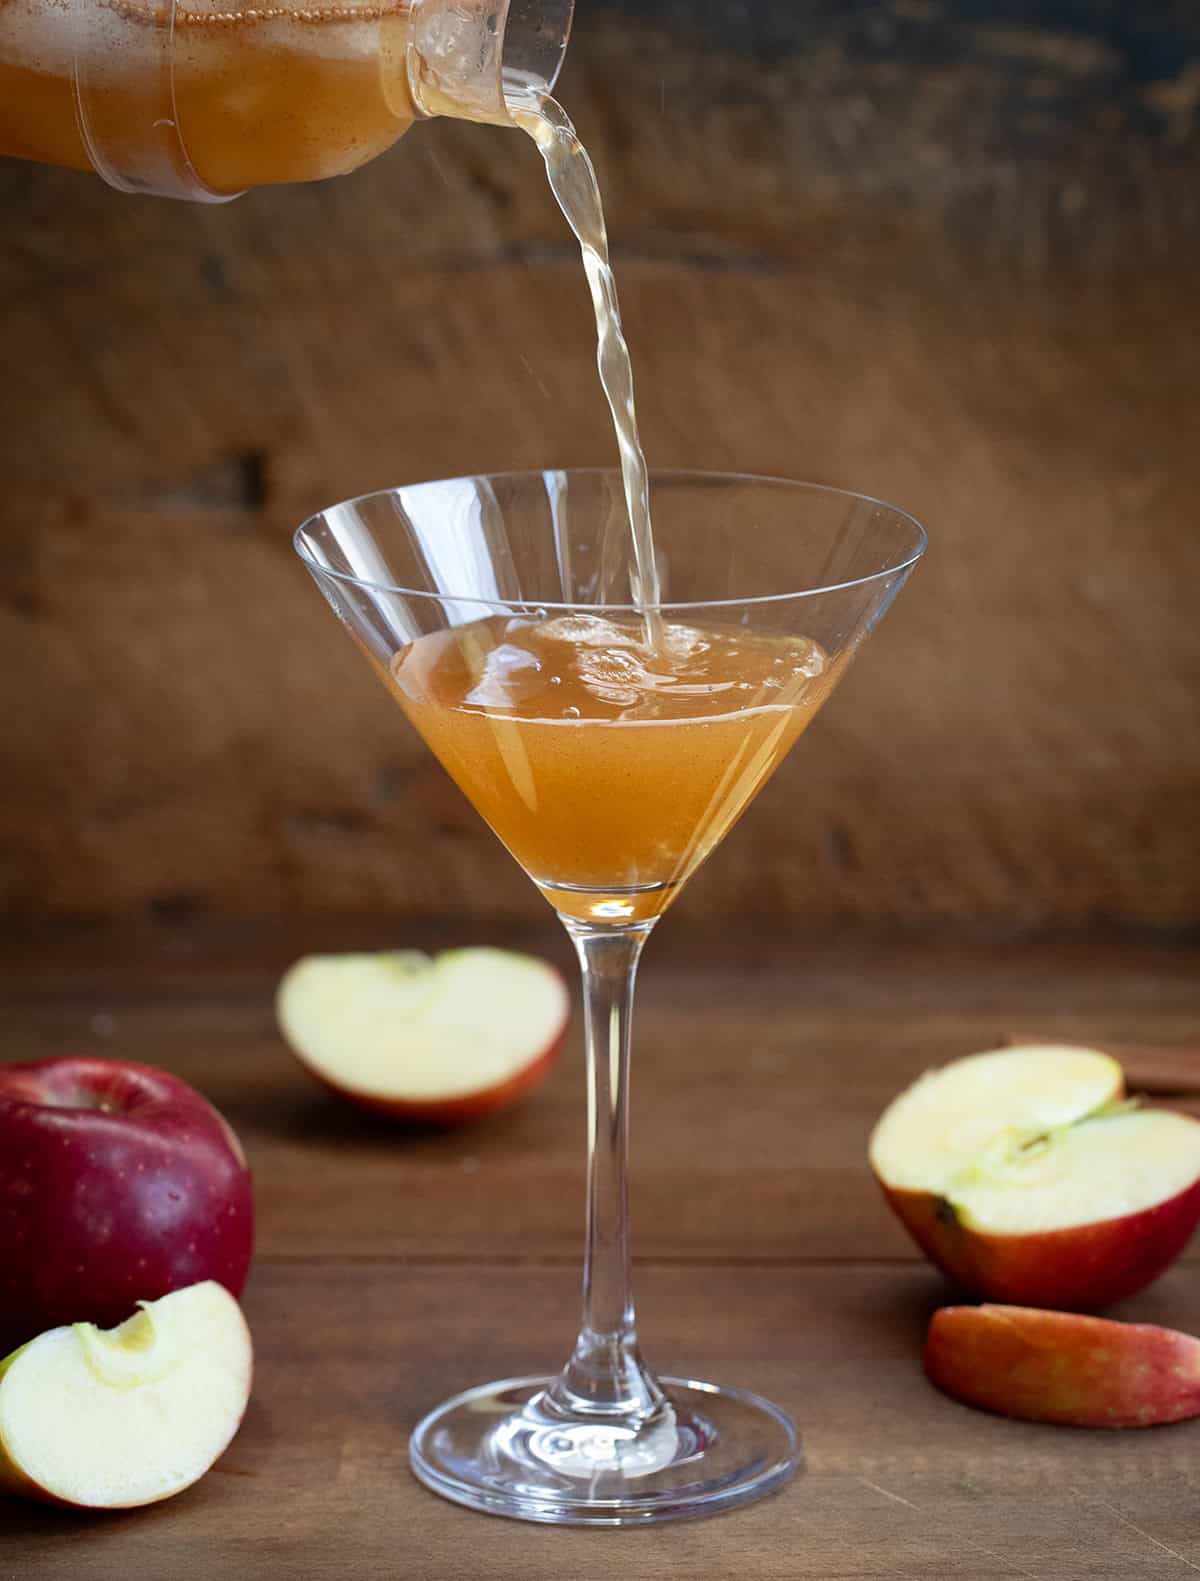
(1024, 1176)
(1062, 1367)
(431, 1040)
(108, 1419)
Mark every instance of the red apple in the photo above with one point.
(118, 1183)
(1026, 1179)
(430, 1040)
(1061, 1367)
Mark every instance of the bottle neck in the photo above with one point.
(455, 58)
(472, 59)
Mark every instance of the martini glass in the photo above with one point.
(610, 748)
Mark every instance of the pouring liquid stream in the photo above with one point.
(572, 179)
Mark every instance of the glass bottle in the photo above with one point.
(201, 99)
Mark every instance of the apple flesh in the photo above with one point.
(431, 1040)
(109, 1419)
(1063, 1367)
(1024, 1177)
(118, 1183)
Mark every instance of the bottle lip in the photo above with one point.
(536, 33)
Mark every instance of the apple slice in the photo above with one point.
(434, 1040)
(1061, 1367)
(112, 1418)
(1023, 1176)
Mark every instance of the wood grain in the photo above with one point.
(395, 1268)
(949, 262)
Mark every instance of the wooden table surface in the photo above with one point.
(394, 1269)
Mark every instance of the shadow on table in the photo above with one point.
(303, 1113)
(23, 1518)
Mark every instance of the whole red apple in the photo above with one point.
(118, 1183)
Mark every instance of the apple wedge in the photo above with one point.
(431, 1040)
(107, 1419)
(1026, 1179)
(1062, 1367)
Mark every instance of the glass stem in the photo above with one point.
(606, 1375)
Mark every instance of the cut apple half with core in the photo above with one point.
(1025, 1177)
(113, 1418)
(433, 1040)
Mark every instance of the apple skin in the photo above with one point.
(118, 1184)
(1083, 1268)
(447, 1113)
(1062, 1367)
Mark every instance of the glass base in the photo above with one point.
(504, 1448)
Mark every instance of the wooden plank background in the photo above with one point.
(927, 249)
